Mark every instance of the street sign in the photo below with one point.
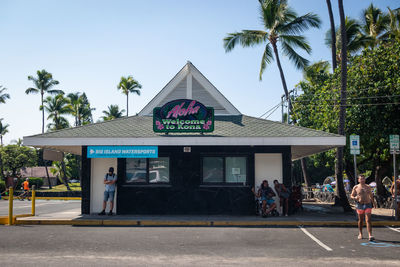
(394, 144)
(354, 144)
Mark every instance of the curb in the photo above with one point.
(52, 198)
(21, 221)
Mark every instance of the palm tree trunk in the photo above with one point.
(1, 168)
(127, 106)
(42, 112)
(65, 174)
(278, 62)
(340, 192)
(47, 174)
(333, 35)
(306, 177)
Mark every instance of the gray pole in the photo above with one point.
(396, 211)
(355, 169)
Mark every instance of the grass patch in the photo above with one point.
(63, 188)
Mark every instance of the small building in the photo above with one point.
(188, 151)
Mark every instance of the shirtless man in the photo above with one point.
(363, 196)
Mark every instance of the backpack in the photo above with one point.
(107, 175)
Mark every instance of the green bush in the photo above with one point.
(2, 186)
(37, 181)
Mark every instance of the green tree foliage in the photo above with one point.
(3, 131)
(373, 106)
(56, 107)
(3, 95)
(282, 25)
(44, 83)
(15, 157)
(80, 108)
(112, 113)
(129, 85)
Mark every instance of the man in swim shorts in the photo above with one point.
(363, 196)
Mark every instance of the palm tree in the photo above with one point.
(340, 192)
(281, 25)
(394, 24)
(129, 85)
(3, 95)
(112, 113)
(356, 40)
(3, 131)
(333, 34)
(43, 84)
(80, 108)
(374, 24)
(56, 107)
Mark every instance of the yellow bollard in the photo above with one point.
(33, 199)
(10, 205)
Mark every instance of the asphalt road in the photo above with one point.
(196, 246)
(42, 206)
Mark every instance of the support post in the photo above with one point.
(355, 169)
(10, 205)
(33, 200)
(396, 197)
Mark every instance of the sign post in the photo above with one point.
(395, 149)
(355, 150)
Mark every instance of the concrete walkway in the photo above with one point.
(313, 214)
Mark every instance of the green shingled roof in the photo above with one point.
(225, 126)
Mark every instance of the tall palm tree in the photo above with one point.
(356, 40)
(80, 108)
(281, 25)
(333, 34)
(3, 95)
(56, 107)
(44, 83)
(112, 113)
(129, 85)
(374, 24)
(3, 131)
(340, 192)
(394, 24)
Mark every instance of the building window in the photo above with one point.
(227, 170)
(147, 170)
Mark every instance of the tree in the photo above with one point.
(281, 25)
(15, 157)
(333, 34)
(112, 113)
(3, 131)
(56, 107)
(80, 108)
(356, 40)
(374, 25)
(44, 83)
(394, 24)
(3, 95)
(129, 85)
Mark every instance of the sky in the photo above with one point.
(88, 45)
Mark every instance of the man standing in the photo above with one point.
(363, 196)
(392, 191)
(109, 180)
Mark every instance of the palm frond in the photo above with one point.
(296, 41)
(31, 91)
(55, 91)
(300, 24)
(245, 38)
(298, 60)
(266, 59)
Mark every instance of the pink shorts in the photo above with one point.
(363, 208)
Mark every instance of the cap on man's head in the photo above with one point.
(111, 169)
(27, 179)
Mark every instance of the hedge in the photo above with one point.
(2, 186)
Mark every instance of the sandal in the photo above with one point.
(371, 238)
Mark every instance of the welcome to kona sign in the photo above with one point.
(183, 115)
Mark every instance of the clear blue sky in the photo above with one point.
(88, 45)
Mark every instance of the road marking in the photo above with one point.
(394, 229)
(315, 239)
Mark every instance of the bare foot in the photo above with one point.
(360, 236)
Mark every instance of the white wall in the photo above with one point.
(99, 167)
(268, 167)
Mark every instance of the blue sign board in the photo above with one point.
(122, 152)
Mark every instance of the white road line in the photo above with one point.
(315, 239)
(394, 229)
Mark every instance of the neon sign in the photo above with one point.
(183, 115)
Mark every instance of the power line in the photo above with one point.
(352, 98)
(273, 108)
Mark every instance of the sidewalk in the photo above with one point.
(313, 214)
